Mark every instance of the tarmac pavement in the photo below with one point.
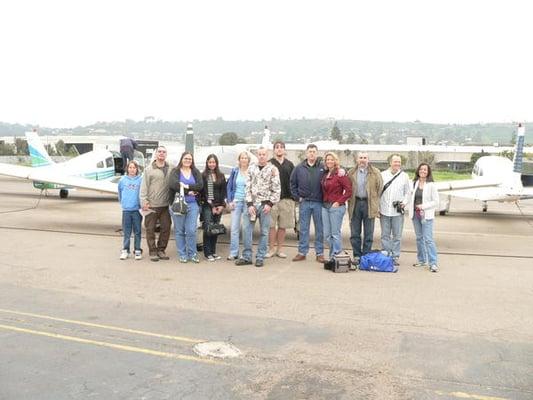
(76, 322)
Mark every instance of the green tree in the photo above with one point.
(7, 149)
(22, 146)
(507, 153)
(336, 133)
(230, 139)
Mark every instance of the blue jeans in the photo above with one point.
(236, 218)
(426, 251)
(185, 231)
(332, 220)
(248, 228)
(131, 220)
(359, 221)
(209, 242)
(391, 234)
(310, 209)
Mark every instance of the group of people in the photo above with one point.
(268, 191)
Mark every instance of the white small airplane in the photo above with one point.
(494, 178)
(94, 170)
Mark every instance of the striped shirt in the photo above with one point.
(398, 190)
(210, 191)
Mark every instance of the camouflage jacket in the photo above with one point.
(262, 185)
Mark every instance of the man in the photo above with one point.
(282, 213)
(363, 207)
(155, 201)
(262, 192)
(306, 189)
(127, 148)
(393, 199)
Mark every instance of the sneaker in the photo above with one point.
(282, 255)
(124, 254)
(321, 259)
(259, 263)
(195, 259)
(183, 260)
(211, 258)
(396, 262)
(162, 256)
(434, 268)
(270, 254)
(217, 257)
(243, 261)
(420, 264)
(232, 258)
(138, 255)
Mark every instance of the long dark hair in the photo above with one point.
(180, 164)
(207, 171)
(430, 175)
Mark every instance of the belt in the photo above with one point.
(361, 198)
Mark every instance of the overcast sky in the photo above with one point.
(68, 63)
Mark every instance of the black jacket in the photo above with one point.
(174, 184)
(219, 192)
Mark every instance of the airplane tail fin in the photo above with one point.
(519, 149)
(38, 154)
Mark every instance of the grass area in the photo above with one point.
(446, 175)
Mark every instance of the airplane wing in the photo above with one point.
(47, 176)
(483, 189)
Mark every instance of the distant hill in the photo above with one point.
(296, 130)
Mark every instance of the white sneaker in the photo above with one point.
(138, 255)
(270, 254)
(434, 268)
(124, 254)
(282, 255)
(216, 256)
(210, 258)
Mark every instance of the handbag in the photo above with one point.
(179, 205)
(215, 229)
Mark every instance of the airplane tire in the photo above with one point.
(442, 212)
(485, 209)
(63, 193)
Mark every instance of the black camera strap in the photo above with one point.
(390, 182)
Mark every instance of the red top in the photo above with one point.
(336, 188)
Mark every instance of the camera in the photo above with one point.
(398, 206)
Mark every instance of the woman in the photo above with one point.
(236, 194)
(424, 200)
(213, 201)
(186, 176)
(336, 190)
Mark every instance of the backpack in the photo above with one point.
(377, 261)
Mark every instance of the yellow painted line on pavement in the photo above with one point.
(463, 395)
(113, 328)
(112, 345)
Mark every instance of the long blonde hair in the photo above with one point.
(335, 159)
(243, 153)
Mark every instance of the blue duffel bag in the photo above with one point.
(377, 261)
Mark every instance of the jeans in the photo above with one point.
(391, 234)
(131, 220)
(209, 242)
(185, 230)
(248, 228)
(426, 251)
(126, 158)
(310, 209)
(360, 220)
(332, 220)
(236, 218)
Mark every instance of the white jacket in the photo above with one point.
(430, 200)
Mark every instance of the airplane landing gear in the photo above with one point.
(63, 193)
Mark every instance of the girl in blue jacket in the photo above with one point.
(129, 188)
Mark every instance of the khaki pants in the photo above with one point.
(162, 215)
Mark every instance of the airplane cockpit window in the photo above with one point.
(100, 164)
(109, 162)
